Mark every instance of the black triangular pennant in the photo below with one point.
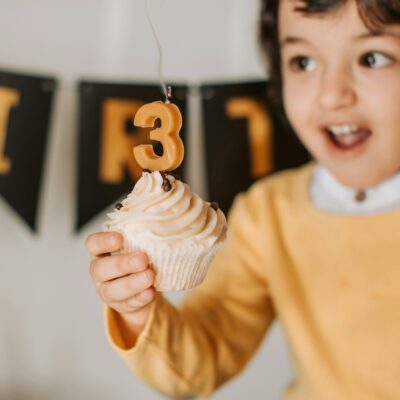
(25, 105)
(244, 139)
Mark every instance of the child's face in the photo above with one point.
(334, 77)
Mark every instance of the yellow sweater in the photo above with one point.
(332, 280)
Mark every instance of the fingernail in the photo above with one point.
(112, 240)
(135, 262)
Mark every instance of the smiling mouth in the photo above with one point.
(347, 137)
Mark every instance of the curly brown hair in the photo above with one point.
(374, 13)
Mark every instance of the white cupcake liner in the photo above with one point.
(179, 266)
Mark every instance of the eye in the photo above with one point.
(375, 60)
(302, 63)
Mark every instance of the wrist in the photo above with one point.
(132, 324)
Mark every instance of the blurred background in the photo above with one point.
(52, 341)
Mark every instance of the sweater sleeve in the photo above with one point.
(190, 350)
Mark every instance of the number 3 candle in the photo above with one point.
(167, 134)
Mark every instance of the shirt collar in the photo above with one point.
(329, 194)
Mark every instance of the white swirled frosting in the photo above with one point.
(167, 216)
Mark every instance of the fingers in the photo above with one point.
(135, 303)
(123, 281)
(124, 288)
(142, 298)
(116, 266)
(103, 242)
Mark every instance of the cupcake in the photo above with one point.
(179, 232)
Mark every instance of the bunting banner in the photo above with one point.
(107, 169)
(244, 140)
(25, 105)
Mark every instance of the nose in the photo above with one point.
(336, 89)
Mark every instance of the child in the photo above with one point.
(317, 247)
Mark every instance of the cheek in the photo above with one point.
(383, 108)
(297, 104)
(380, 96)
(300, 108)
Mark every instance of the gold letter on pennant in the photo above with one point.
(116, 144)
(259, 132)
(8, 98)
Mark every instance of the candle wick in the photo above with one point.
(160, 53)
(168, 97)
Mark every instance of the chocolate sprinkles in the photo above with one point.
(214, 205)
(166, 185)
(118, 206)
(176, 176)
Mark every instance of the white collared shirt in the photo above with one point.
(328, 194)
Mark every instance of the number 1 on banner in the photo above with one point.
(259, 132)
(8, 98)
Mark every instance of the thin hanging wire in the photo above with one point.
(160, 53)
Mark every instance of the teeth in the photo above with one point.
(339, 130)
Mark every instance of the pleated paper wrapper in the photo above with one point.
(179, 266)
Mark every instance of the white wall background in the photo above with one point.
(52, 343)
